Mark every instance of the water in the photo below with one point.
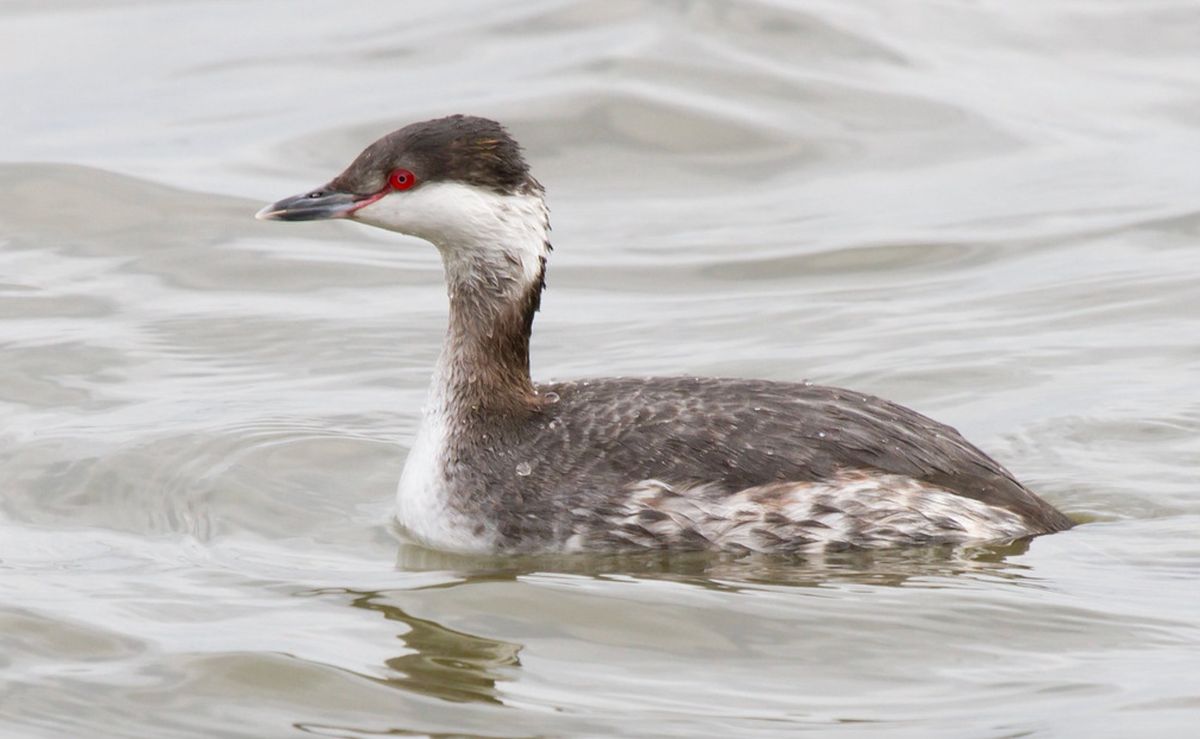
(987, 211)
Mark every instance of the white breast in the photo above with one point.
(423, 507)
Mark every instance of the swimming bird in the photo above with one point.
(501, 464)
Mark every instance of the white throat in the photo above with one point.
(493, 247)
(487, 239)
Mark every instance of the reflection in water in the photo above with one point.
(726, 571)
(443, 663)
(455, 666)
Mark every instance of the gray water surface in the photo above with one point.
(987, 211)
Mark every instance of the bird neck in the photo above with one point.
(494, 279)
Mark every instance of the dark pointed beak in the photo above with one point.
(317, 205)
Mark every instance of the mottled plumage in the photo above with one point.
(502, 465)
(656, 462)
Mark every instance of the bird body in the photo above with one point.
(501, 464)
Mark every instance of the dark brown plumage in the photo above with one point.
(467, 149)
(597, 437)
(502, 464)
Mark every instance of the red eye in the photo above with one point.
(402, 179)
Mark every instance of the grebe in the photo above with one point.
(501, 464)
